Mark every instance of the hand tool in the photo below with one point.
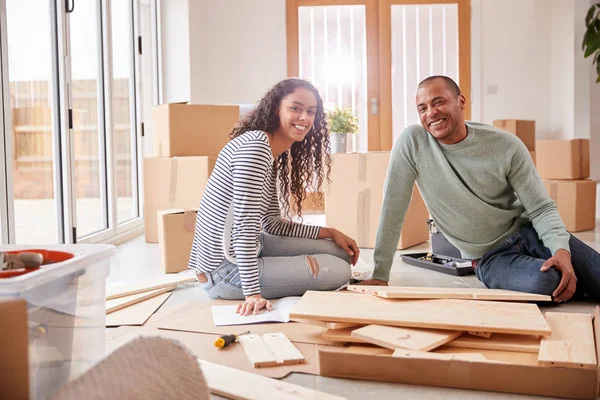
(226, 340)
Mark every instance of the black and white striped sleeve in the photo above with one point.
(275, 225)
(250, 167)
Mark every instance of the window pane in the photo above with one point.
(90, 176)
(424, 43)
(32, 112)
(333, 56)
(123, 114)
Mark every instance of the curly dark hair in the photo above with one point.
(306, 164)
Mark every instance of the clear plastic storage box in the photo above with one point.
(66, 304)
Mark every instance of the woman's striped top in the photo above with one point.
(241, 198)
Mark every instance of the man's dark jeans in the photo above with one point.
(516, 263)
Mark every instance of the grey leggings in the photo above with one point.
(287, 267)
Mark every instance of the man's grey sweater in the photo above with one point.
(478, 191)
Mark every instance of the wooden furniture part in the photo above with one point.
(516, 318)
(480, 334)
(438, 356)
(241, 385)
(505, 357)
(393, 337)
(499, 341)
(136, 314)
(148, 285)
(329, 325)
(406, 292)
(341, 335)
(122, 302)
(270, 349)
(571, 343)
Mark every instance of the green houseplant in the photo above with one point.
(342, 123)
(591, 39)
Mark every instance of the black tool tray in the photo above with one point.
(440, 264)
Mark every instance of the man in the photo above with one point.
(485, 195)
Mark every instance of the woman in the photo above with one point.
(284, 141)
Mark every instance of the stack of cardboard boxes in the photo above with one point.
(524, 130)
(353, 201)
(187, 141)
(564, 166)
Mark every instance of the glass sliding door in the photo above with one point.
(89, 142)
(34, 121)
(124, 130)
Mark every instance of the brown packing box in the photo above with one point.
(524, 130)
(565, 382)
(14, 350)
(173, 182)
(353, 200)
(175, 236)
(576, 202)
(192, 129)
(563, 159)
(532, 154)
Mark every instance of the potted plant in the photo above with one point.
(591, 39)
(342, 123)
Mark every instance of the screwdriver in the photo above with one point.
(226, 340)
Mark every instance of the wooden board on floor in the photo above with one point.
(341, 335)
(506, 357)
(136, 314)
(149, 285)
(394, 337)
(240, 385)
(500, 341)
(571, 343)
(270, 350)
(405, 353)
(407, 292)
(451, 314)
(122, 302)
(199, 319)
(330, 325)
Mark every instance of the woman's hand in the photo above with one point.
(345, 242)
(253, 304)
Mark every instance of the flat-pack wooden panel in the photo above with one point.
(407, 292)
(149, 285)
(122, 302)
(136, 314)
(241, 385)
(449, 314)
(394, 337)
(270, 350)
(571, 343)
(499, 341)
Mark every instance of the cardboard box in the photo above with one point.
(576, 202)
(175, 236)
(525, 130)
(192, 129)
(310, 205)
(564, 382)
(353, 201)
(14, 374)
(532, 154)
(173, 182)
(563, 159)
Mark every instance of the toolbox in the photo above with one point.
(439, 263)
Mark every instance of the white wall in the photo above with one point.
(511, 66)
(175, 35)
(238, 49)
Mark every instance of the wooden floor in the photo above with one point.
(137, 260)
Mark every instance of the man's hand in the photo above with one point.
(373, 282)
(568, 281)
(345, 242)
(253, 304)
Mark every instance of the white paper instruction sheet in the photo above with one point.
(226, 315)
